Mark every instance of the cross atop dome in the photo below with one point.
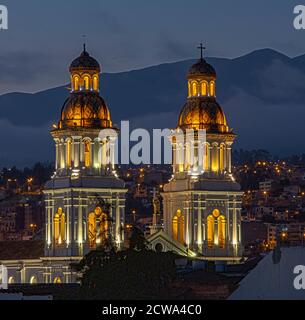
(201, 48)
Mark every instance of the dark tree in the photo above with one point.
(137, 239)
(136, 273)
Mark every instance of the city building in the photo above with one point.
(292, 234)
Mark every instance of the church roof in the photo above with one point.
(203, 113)
(85, 109)
(202, 68)
(85, 61)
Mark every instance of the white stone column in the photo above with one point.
(57, 160)
(174, 160)
(80, 221)
(48, 221)
(234, 224)
(199, 226)
(91, 154)
(68, 220)
(229, 169)
(187, 156)
(210, 150)
(96, 163)
(52, 212)
(112, 152)
(76, 149)
(117, 221)
(81, 156)
(218, 158)
(225, 166)
(62, 154)
(187, 223)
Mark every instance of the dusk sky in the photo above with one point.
(44, 36)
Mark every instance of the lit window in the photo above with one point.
(194, 89)
(204, 88)
(86, 83)
(57, 280)
(98, 227)
(221, 158)
(221, 231)
(206, 157)
(76, 83)
(87, 153)
(59, 227)
(210, 231)
(95, 83)
(178, 227)
(69, 153)
(212, 89)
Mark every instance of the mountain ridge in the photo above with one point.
(262, 94)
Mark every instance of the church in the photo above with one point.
(202, 201)
(85, 199)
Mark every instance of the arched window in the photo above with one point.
(221, 157)
(212, 89)
(215, 157)
(11, 280)
(95, 83)
(98, 227)
(210, 230)
(206, 157)
(69, 158)
(194, 89)
(213, 239)
(221, 231)
(76, 83)
(57, 280)
(33, 280)
(59, 227)
(86, 82)
(204, 88)
(87, 147)
(189, 89)
(178, 227)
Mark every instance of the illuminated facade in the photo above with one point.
(84, 200)
(202, 202)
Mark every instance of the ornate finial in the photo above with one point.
(84, 45)
(201, 48)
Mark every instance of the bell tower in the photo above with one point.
(85, 199)
(202, 201)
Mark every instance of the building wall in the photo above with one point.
(196, 206)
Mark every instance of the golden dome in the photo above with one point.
(85, 109)
(203, 113)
